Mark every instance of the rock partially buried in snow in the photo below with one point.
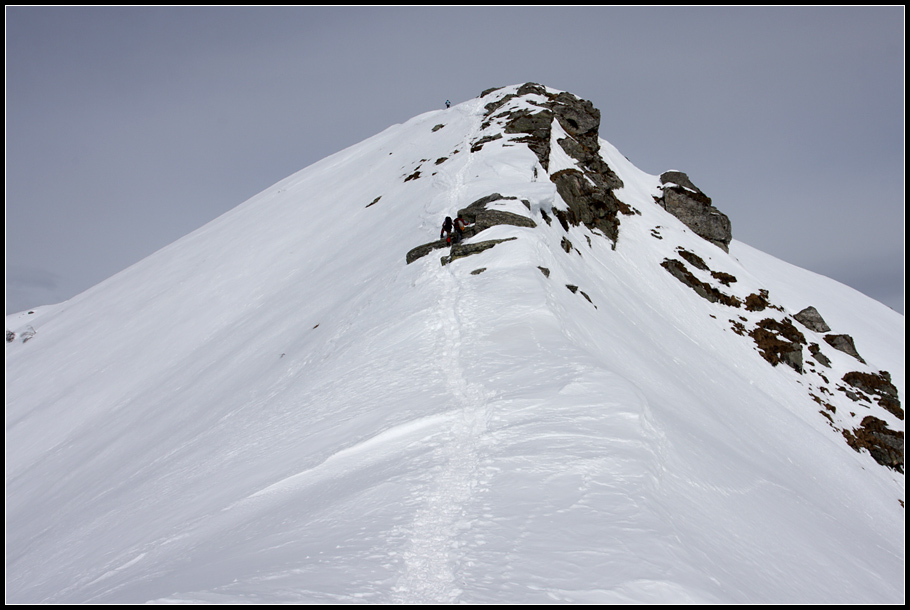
(463, 250)
(423, 250)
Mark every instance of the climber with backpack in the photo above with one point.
(446, 230)
(459, 224)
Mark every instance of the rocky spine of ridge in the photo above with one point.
(586, 189)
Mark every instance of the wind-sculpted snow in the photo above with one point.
(278, 408)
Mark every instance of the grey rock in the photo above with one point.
(525, 121)
(579, 118)
(680, 178)
(595, 207)
(693, 208)
(464, 250)
(484, 140)
(845, 344)
(486, 92)
(811, 319)
(533, 88)
(816, 353)
(479, 218)
(421, 251)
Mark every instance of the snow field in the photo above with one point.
(276, 409)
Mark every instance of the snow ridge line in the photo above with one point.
(430, 562)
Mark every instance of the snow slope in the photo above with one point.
(276, 408)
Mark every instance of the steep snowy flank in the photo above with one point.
(587, 400)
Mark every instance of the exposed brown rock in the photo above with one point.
(678, 270)
(779, 341)
(879, 386)
(885, 445)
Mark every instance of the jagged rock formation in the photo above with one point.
(811, 319)
(845, 344)
(586, 189)
(686, 201)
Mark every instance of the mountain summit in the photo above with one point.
(598, 395)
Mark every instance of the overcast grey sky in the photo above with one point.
(127, 128)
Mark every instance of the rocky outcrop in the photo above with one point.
(844, 343)
(811, 319)
(758, 302)
(879, 387)
(819, 357)
(479, 218)
(587, 190)
(423, 250)
(686, 201)
(678, 269)
(463, 250)
(779, 341)
(886, 446)
(589, 204)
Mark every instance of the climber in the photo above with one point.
(447, 230)
(460, 224)
(448, 103)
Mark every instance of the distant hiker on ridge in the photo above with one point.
(448, 103)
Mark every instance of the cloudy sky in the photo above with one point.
(127, 128)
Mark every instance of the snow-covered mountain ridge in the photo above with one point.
(278, 407)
